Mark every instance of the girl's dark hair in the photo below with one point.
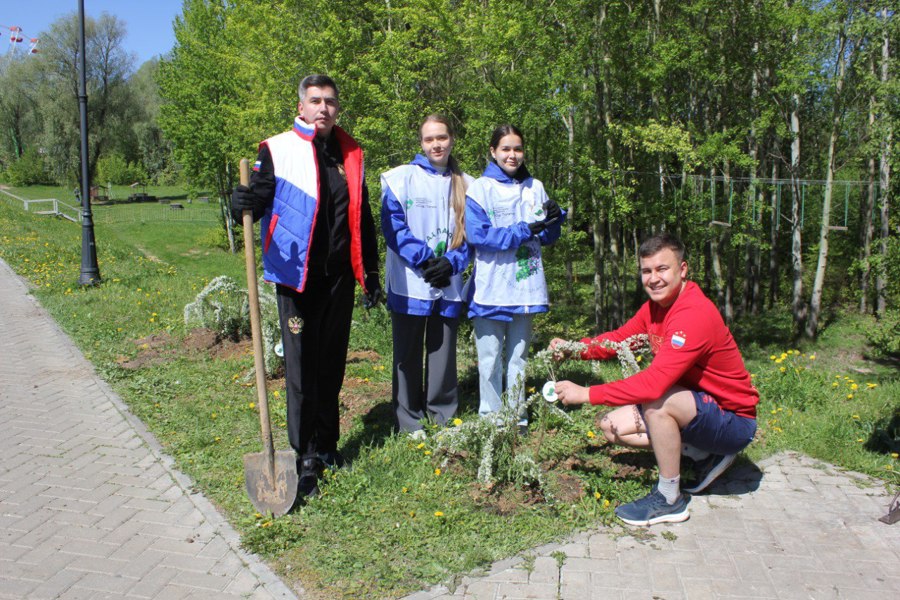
(457, 185)
(504, 130)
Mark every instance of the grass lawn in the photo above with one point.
(404, 515)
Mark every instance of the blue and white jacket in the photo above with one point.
(509, 274)
(287, 225)
(418, 222)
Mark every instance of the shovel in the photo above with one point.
(270, 477)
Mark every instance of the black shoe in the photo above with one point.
(706, 471)
(309, 470)
(332, 460)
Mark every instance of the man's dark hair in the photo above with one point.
(319, 81)
(660, 242)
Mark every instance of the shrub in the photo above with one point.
(223, 306)
(28, 169)
(884, 335)
(116, 170)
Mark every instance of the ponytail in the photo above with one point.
(458, 202)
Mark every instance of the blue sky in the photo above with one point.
(149, 22)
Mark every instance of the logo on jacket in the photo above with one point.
(678, 339)
(295, 324)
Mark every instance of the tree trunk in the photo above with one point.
(884, 179)
(798, 307)
(773, 236)
(815, 303)
(867, 224)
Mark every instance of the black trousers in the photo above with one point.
(315, 332)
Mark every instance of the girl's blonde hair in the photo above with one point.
(457, 185)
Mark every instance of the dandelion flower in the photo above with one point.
(457, 422)
(850, 397)
(783, 369)
(428, 453)
(277, 394)
(835, 384)
(871, 386)
(772, 357)
(438, 513)
(854, 416)
(854, 387)
(812, 357)
(606, 504)
(420, 446)
(895, 455)
(437, 471)
(404, 490)
(597, 495)
(590, 434)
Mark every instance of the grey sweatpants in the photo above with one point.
(424, 386)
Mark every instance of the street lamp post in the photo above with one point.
(90, 271)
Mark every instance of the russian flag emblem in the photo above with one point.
(678, 339)
(257, 165)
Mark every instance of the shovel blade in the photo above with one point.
(278, 496)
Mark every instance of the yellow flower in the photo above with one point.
(895, 455)
(778, 429)
(437, 471)
(784, 355)
(438, 513)
(606, 504)
(457, 422)
(531, 390)
(835, 384)
(277, 394)
(405, 489)
(860, 440)
(412, 513)
(772, 357)
(428, 453)
(812, 357)
(871, 386)
(590, 434)
(597, 495)
(252, 405)
(854, 387)
(420, 446)
(638, 358)
(850, 397)
(854, 416)
(782, 369)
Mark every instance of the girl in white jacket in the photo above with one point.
(508, 218)
(422, 217)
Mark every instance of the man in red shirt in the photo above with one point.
(695, 393)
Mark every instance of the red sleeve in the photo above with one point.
(637, 324)
(694, 335)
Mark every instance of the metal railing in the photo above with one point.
(120, 213)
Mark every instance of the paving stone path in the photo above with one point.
(788, 528)
(90, 508)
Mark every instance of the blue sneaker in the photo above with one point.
(653, 509)
(706, 471)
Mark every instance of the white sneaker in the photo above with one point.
(695, 454)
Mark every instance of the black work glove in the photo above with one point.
(243, 198)
(374, 294)
(537, 227)
(438, 271)
(553, 212)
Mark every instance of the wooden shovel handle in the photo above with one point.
(256, 331)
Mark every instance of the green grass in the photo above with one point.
(376, 530)
(120, 193)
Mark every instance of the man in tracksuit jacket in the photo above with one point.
(318, 236)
